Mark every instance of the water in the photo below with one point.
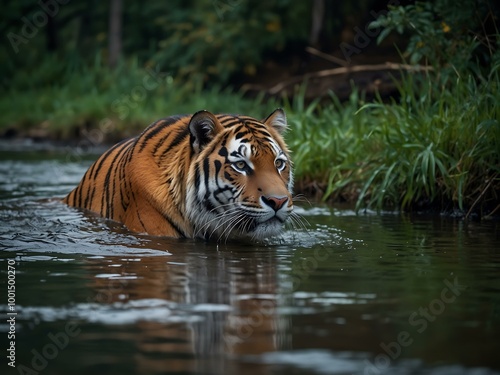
(347, 294)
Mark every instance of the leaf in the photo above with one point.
(383, 34)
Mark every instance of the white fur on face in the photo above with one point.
(215, 207)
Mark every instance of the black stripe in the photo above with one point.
(90, 197)
(90, 172)
(137, 210)
(117, 174)
(104, 156)
(106, 187)
(176, 228)
(139, 217)
(197, 178)
(228, 177)
(149, 133)
(124, 204)
(224, 119)
(113, 169)
(208, 205)
(79, 190)
(219, 144)
(223, 152)
(232, 123)
(240, 135)
(206, 171)
(131, 149)
(155, 128)
(250, 120)
(160, 143)
(180, 136)
(123, 190)
(111, 201)
(218, 166)
(74, 196)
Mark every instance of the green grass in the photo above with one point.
(62, 97)
(436, 147)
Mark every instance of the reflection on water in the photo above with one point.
(367, 294)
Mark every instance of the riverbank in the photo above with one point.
(435, 148)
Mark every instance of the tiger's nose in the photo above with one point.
(274, 202)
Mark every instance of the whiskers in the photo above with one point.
(297, 221)
(232, 220)
(222, 223)
(301, 198)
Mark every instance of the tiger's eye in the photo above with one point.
(241, 165)
(279, 163)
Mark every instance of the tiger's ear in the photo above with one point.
(277, 120)
(203, 127)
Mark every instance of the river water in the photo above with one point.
(373, 293)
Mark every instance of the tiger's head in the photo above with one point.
(240, 181)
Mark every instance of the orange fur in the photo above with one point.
(195, 176)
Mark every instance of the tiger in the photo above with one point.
(205, 175)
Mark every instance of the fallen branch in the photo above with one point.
(346, 70)
(327, 57)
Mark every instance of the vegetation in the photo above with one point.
(437, 147)
(433, 146)
(128, 96)
(434, 151)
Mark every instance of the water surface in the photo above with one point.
(346, 294)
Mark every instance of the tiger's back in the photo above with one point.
(181, 177)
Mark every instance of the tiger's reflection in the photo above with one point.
(220, 307)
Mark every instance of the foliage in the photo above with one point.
(439, 149)
(195, 41)
(129, 96)
(207, 44)
(438, 145)
(444, 33)
(439, 152)
(326, 139)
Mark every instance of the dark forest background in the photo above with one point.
(199, 41)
